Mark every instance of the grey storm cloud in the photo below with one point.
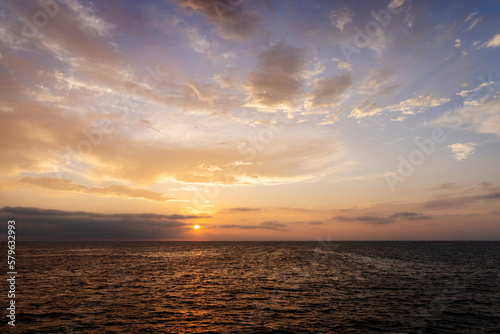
(48, 224)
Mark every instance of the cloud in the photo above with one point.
(75, 30)
(448, 186)
(492, 43)
(40, 146)
(458, 43)
(243, 209)
(47, 224)
(418, 104)
(480, 116)
(273, 224)
(393, 4)
(468, 92)
(277, 81)
(473, 21)
(267, 225)
(109, 191)
(462, 150)
(365, 109)
(233, 22)
(342, 65)
(328, 91)
(90, 65)
(198, 43)
(297, 153)
(315, 223)
(365, 219)
(88, 20)
(34, 143)
(330, 119)
(399, 119)
(483, 187)
(51, 212)
(340, 18)
(377, 79)
(382, 220)
(460, 201)
(94, 67)
(410, 216)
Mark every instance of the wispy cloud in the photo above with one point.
(328, 91)
(267, 225)
(458, 201)
(472, 20)
(418, 104)
(108, 191)
(382, 220)
(462, 150)
(365, 109)
(243, 209)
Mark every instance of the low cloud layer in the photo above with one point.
(460, 201)
(382, 220)
(267, 225)
(48, 224)
(242, 209)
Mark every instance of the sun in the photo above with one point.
(196, 227)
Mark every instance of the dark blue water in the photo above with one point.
(257, 287)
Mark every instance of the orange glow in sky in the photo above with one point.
(295, 121)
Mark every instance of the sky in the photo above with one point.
(256, 120)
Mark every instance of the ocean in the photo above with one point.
(256, 287)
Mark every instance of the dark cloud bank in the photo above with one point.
(47, 224)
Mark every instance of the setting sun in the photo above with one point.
(196, 227)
